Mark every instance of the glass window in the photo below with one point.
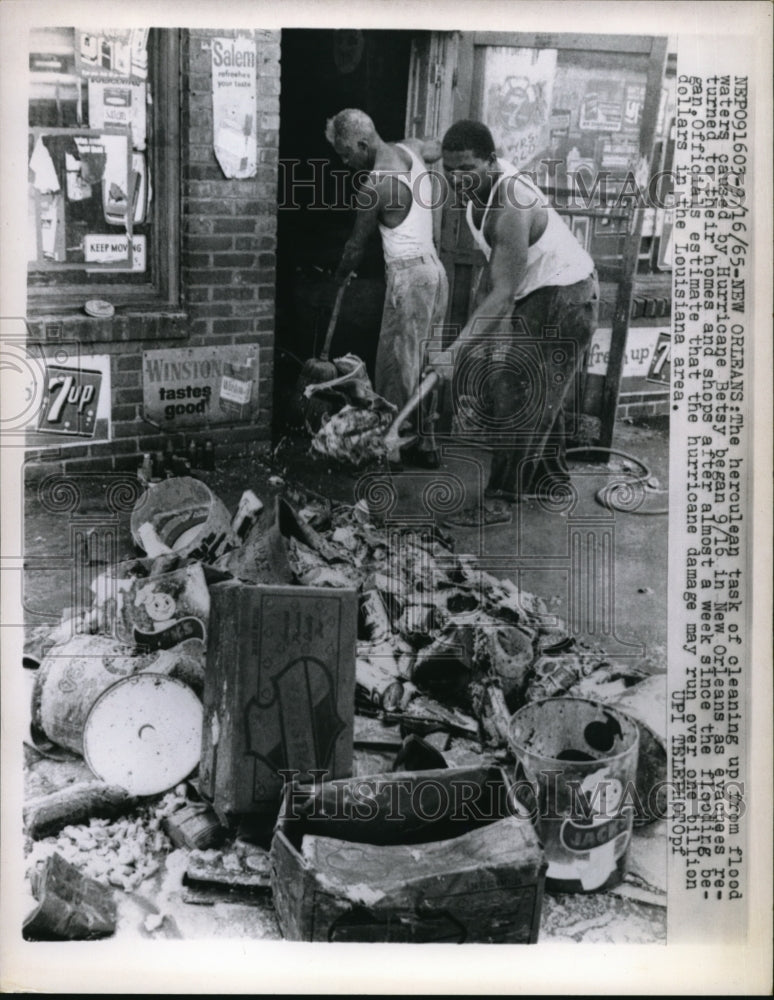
(103, 178)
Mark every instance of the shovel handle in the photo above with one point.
(392, 437)
(334, 316)
(427, 385)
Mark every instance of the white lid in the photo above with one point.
(144, 733)
(99, 308)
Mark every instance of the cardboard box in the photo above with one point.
(278, 692)
(426, 856)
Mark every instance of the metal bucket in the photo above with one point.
(646, 704)
(579, 759)
(69, 680)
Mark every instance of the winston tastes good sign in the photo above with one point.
(197, 386)
(234, 63)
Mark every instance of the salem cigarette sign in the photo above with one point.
(234, 105)
(198, 386)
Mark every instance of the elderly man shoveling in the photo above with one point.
(396, 196)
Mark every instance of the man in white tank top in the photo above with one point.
(516, 358)
(396, 196)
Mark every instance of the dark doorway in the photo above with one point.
(324, 71)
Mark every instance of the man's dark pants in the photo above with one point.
(524, 383)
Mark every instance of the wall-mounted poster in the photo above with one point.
(234, 83)
(517, 100)
(602, 108)
(51, 54)
(120, 52)
(661, 364)
(102, 250)
(646, 354)
(118, 104)
(633, 102)
(82, 186)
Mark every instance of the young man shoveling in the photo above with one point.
(396, 196)
(516, 357)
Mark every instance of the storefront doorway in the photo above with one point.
(594, 105)
(324, 71)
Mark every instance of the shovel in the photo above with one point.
(393, 442)
(320, 369)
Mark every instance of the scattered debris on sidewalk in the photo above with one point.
(71, 906)
(434, 657)
(121, 852)
(242, 870)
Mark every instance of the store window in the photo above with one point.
(103, 179)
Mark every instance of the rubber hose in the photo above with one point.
(603, 498)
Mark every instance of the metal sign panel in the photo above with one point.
(197, 386)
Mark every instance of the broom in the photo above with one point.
(320, 369)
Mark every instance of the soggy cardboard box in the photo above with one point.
(408, 856)
(278, 692)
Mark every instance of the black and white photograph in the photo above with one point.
(385, 431)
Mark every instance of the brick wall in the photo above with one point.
(227, 270)
(640, 405)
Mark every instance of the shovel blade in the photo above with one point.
(394, 444)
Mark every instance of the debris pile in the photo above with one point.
(346, 419)
(354, 434)
(122, 853)
(438, 630)
(443, 646)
